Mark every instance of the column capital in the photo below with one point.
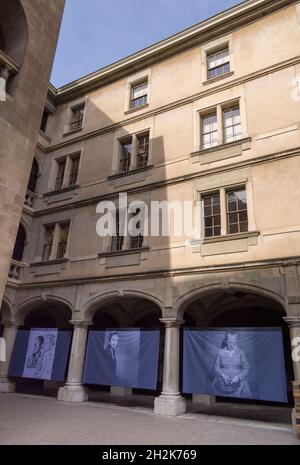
(292, 321)
(81, 323)
(11, 324)
(172, 322)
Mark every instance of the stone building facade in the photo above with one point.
(209, 116)
(28, 37)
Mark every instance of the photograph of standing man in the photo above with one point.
(110, 357)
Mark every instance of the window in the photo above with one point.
(136, 242)
(45, 119)
(237, 216)
(134, 152)
(56, 239)
(232, 124)
(118, 239)
(222, 125)
(142, 151)
(218, 63)
(74, 171)
(49, 235)
(225, 212)
(209, 136)
(212, 215)
(77, 117)
(61, 166)
(139, 95)
(125, 159)
(63, 240)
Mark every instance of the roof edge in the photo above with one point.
(220, 24)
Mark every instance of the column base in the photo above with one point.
(7, 386)
(170, 405)
(117, 391)
(296, 422)
(73, 393)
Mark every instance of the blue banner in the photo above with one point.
(127, 357)
(41, 354)
(246, 363)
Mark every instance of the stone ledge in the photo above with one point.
(218, 78)
(231, 243)
(61, 191)
(128, 173)
(49, 262)
(133, 110)
(123, 252)
(221, 152)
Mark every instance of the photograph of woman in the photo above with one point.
(231, 369)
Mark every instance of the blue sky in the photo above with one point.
(96, 33)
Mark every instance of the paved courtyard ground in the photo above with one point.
(28, 419)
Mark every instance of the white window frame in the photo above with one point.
(214, 46)
(219, 109)
(135, 80)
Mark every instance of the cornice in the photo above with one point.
(166, 273)
(216, 26)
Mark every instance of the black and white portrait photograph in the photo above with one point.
(243, 363)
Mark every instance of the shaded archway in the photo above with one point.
(41, 314)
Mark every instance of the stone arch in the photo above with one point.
(62, 308)
(6, 310)
(253, 288)
(92, 305)
(13, 30)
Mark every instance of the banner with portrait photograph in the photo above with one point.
(246, 363)
(41, 354)
(127, 357)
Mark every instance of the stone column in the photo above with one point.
(9, 335)
(170, 402)
(294, 325)
(74, 391)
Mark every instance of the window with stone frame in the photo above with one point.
(136, 242)
(212, 214)
(74, 169)
(232, 126)
(118, 239)
(60, 173)
(63, 241)
(139, 94)
(209, 130)
(142, 154)
(48, 243)
(77, 115)
(237, 214)
(218, 62)
(125, 155)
